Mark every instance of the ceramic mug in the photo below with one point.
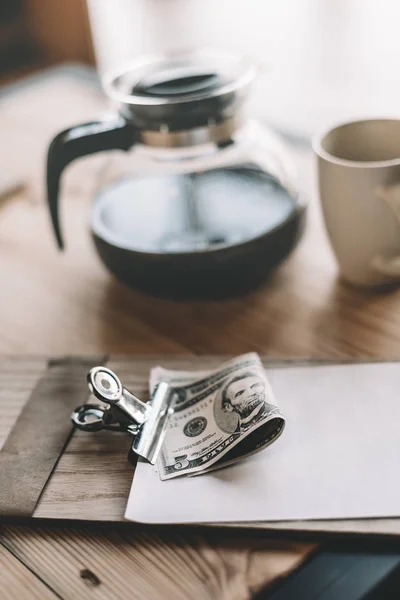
(359, 184)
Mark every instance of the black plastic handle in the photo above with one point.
(76, 142)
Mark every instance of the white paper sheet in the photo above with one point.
(338, 458)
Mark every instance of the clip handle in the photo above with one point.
(88, 417)
(106, 386)
(147, 422)
(93, 417)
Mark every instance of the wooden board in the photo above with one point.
(92, 478)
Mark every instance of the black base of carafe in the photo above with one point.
(217, 274)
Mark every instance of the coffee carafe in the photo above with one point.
(201, 202)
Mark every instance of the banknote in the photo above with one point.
(219, 417)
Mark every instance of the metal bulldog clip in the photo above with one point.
(147, 422)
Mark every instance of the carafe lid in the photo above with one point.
(182, 91)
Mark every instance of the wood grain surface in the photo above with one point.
(16, 581)
(54, 304)
(132, 563)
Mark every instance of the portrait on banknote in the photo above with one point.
(242, 403)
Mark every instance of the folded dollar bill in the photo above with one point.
(219, 417)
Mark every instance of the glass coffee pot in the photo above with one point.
(200, 202)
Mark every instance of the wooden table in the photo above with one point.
(67, 303)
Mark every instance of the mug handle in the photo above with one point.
(76, 142)
(383, 264)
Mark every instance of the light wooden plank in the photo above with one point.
(92, 479)
(17, 582)
(118, 564)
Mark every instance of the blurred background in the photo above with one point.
(320, 60)
(39, 33)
